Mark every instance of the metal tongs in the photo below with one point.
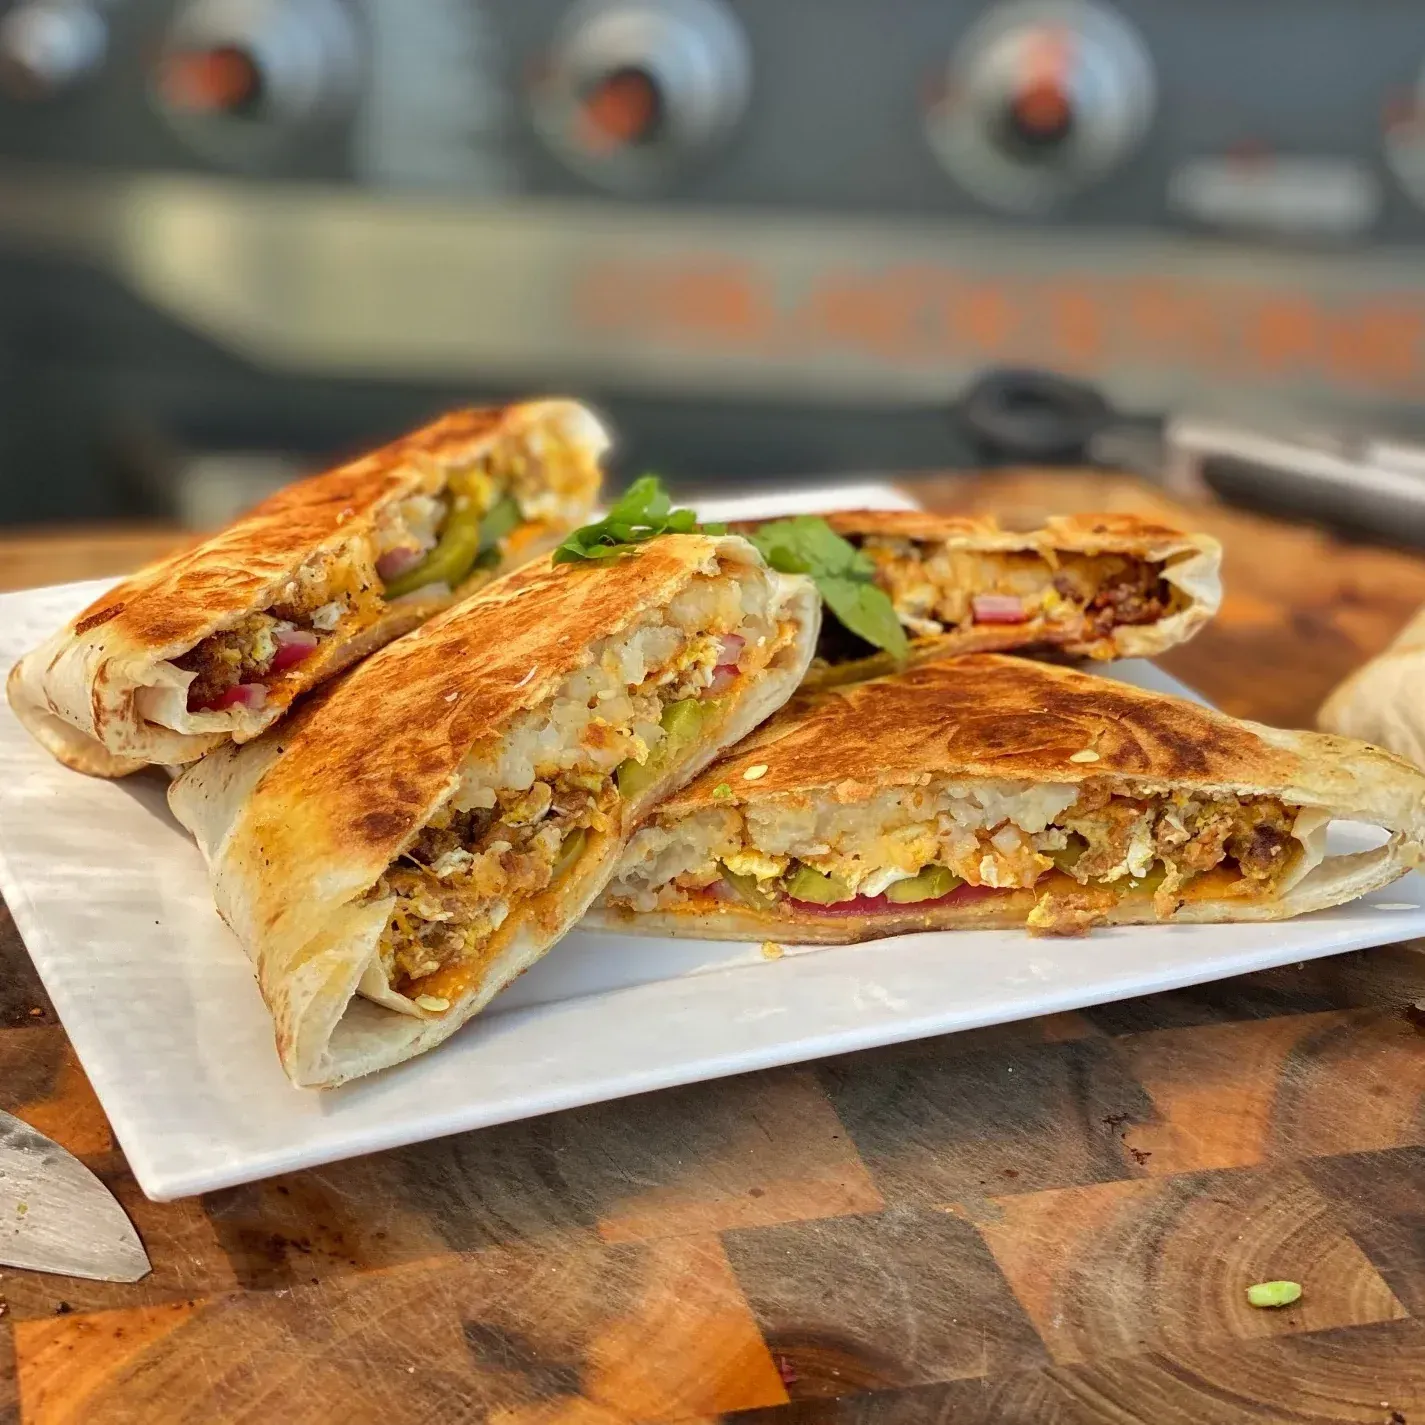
(1355, 482)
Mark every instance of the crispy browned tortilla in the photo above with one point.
(142, 675)
(1000, 791)
(1096, 586)
(422, 830)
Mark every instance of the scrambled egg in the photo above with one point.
(752, 862)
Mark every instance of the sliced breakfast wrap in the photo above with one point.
(425, 828)
(993, 791)
(1097, 586)
(213, 644)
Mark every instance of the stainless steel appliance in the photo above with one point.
(767, 235)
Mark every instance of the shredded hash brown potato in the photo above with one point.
(507, 832)
(948, 835)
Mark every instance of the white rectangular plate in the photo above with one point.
(163, 1009)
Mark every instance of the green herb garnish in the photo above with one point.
(843, 575)
(642, 511)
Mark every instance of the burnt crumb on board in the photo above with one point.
(63, 1309)
(1114, 1122)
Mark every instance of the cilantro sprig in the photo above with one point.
(843, 575)
(641, 512)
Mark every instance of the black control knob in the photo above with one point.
(1041, 98)
(633, 88)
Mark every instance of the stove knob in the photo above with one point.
(633, 88)
(236, 75)
(48, 46)
(1040, 99)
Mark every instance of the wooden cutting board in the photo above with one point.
(1045, 1224)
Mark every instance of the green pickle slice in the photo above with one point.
(569, 852)
(467, 540)
(502, 517)
(499, 520)
(1151, 881)
(808, 884)
(746, 889)
(449, 562)
(932, 883)
(681, 721)
(1067, 857)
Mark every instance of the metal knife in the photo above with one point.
(56, 1216)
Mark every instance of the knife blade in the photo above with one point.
(56, 1216)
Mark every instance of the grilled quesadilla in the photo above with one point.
(1095, 586)
(989, 791)
(1384, 701)
(215, 642)
(425, 828)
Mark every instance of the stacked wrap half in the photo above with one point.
(335, 841)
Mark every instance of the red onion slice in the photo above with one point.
(293, 645)
(731, 650)
(396, 562)
(240, 695)
(724, 676)
(998, 608)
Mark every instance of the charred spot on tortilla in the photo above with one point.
(99, 619)
(381, 826)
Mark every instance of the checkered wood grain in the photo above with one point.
(1048, 1223)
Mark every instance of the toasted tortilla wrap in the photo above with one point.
(1384, 701)
(990, 791)
(1094, 586)
(424, 829)
(213, 644)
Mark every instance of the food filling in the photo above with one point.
(1048, 597)
(1079, 848)
(527, 805)
(424, 546)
